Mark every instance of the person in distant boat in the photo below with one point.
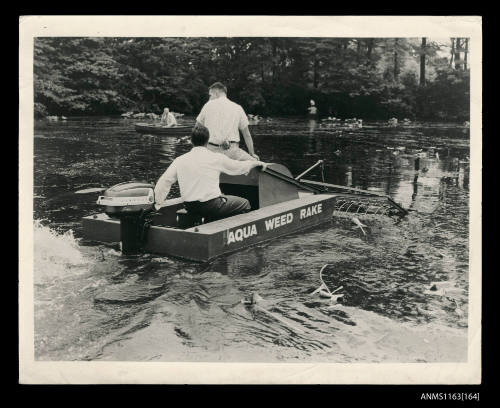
(168, 118)
(197, 173)
(313, 111)
(225, 119)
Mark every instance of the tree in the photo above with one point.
(363, 77)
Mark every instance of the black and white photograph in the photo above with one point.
(280, 199)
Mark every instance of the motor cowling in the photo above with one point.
(132, 202)
(127, 198)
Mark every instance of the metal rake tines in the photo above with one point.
(362, 205)
(355, 198)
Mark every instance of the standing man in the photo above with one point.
(313, 111)
(224, 119)
(197, 173)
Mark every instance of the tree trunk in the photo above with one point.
(358, 49)
(273, 71)
(452, 55)
(466, 51)
(369, 51)
(458, 50)
(422, 61)
(396, 60)
(316, 73)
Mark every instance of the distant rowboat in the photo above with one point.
(158, 129)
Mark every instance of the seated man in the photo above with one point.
(168, 118)
(197, 173)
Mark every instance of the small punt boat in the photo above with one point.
(280, 204)
(158, 129)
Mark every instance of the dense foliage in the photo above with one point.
(370, 78)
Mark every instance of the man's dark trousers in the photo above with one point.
(218, 208)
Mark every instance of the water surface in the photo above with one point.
(92, 303)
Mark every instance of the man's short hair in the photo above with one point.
(200, 135)
(218, 86)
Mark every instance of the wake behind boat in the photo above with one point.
(159, 129)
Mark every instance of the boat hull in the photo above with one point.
(157, 129)
(208, 241)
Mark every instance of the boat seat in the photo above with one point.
(188, 220)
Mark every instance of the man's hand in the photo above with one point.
(254, 156)
(262, 165)
(159, 204)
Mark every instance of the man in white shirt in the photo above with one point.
(224, 119)
(313, 111)
(197, 173)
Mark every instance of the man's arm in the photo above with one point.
(243, 127)
(162, 187)
(236, 167)
(249, 142)
(200, 119)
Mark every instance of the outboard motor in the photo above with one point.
(132, 202)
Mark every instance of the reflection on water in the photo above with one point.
(93, 303)
(348, 174)
(313, 123)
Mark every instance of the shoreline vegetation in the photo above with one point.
(369, 78)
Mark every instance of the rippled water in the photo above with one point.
(92, 303)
